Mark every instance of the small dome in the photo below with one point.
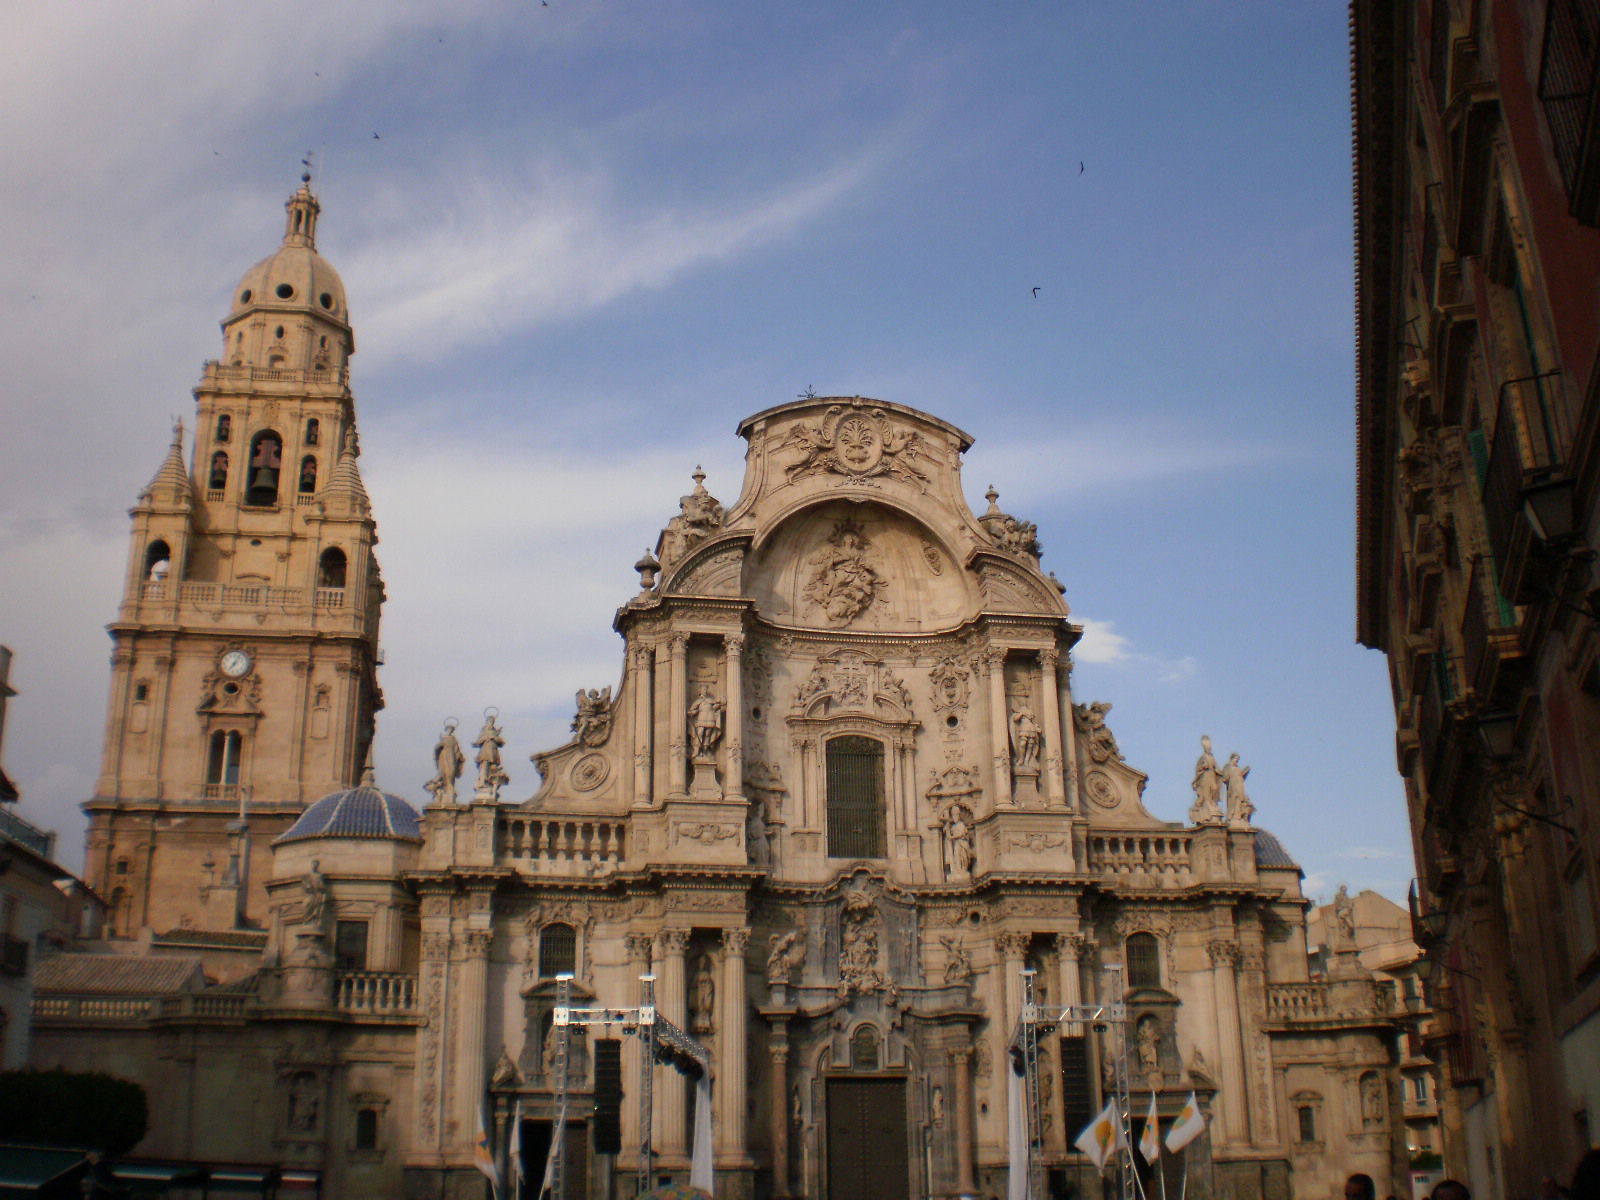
(295, 276)
(358, 812)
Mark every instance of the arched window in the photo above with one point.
(222, 764)
(308, 474)
(1144, 961)
(266, 462)
(224, 427)
(558, 950)
(330, 568)
(313, 428)
(219, 471)
(855, 798)
(157, 561)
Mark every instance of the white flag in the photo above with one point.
(483, 1152)
(516, 1143)
(1150, 1139)
(1101, 1137)
(1189, 1125)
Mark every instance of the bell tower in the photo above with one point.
(245, 650)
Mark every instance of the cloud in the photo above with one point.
(1103, 645)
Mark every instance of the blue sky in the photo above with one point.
(590, 237)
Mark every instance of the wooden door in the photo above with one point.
(867, 1158)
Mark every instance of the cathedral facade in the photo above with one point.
(841, 798)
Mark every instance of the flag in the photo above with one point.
(483, 1152)
(516, 1143)
(1150, 1139)
(1101, 1137)
(1187, 1127)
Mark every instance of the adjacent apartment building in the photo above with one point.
(1477, 151)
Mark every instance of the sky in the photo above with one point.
(582, 240)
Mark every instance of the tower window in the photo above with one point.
(308, 474)
(224, 427)
(558, 950)
(327, 300)
(278, 332)
(1308, 1122)
(1144, 961)
(331, 568)
(266, 462)
(285, 292)
(367, 1129)
(855, 798)
(244, 296)
(157, 561)
(219, 471)
(141, 691)
(313, 426)
(222, 764)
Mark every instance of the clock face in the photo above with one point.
(235, 663)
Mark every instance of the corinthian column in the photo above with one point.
(1224, 992)
(778, 1104)
(733, 716)
(731, 1050)
(1050, 702)
(471, 1004)
(962, 1059)
(641, 659)
(678, 716)
(672, 998)
(638, 947)
(999, 727)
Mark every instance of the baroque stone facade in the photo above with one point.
(841, 796)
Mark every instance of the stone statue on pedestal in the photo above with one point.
(449, 760)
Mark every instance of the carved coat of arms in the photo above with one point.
(858, 442)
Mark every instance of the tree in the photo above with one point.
(86, 1109)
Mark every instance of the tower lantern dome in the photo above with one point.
(289, 309)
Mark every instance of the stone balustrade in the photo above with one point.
(231, 595)
(92, 1008)
(545, 844)
(1165, 856)
(375, 992)
(214, 372)
(1297, 1002)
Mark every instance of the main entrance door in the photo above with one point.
(867, 1140)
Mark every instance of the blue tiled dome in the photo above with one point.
(358, 812)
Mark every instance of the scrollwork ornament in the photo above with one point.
(734, 941)
(674, 941)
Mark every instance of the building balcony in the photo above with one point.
(252, 597)
(215, 374)
(545, 844)
(1490, 641)
(384, 993)
(1162, 857)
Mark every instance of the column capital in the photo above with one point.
(958, 1055)
(734, 941)
(638, 945)
(1049, 658)
(733, 643)
(994, 658)
(675, 941)
(477, 942)
(1224, 952)
(678, 641)
(1012, 945)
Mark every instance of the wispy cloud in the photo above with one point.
(1102, 644)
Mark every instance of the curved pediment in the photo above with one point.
(864, 567)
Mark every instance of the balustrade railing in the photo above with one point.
(235, 595)
(375, 992)
(554, 845)
(1164, 855)
(92, 1008)
(1297, 1001)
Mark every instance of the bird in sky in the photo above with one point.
(1035, 293)
(1080, 166)
(375, 136)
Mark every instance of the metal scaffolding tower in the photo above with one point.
(659, 1041)
(1034, 1021)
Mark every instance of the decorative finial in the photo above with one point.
(647, 566)
(809, 394)
(369, 777)
(699, 478)
(993, 497)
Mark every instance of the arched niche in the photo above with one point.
(858, 566)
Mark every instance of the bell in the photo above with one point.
(265, 479)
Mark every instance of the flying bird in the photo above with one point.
(375, 136)
(1035, 293)
(1080, 166)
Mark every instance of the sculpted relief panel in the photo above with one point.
(856, 567)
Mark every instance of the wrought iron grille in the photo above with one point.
(855, 798)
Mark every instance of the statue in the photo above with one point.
(315, 888)
(705, 991)
(1099, 741)
(303, 1102)
(958, 838)
(1024, 740)
(1199, 1069)
(448, 761)
(1150, 1052)
(505, 1072)
(936, 1107)
(788, 956)
(491, 775)
(1372, 1105)
(699, 516)
(1239, 806)
(843, 582)
(705, 717)
(1344, 917)
(1207, 783)
(593, 722)
(958, 963)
